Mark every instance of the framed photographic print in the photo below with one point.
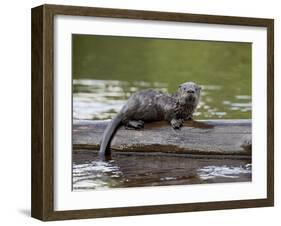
(141, 112)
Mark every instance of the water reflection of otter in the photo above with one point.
(150, 105)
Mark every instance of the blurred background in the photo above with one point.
(108, 69)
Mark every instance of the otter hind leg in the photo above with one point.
(134, 124)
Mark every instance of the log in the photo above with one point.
(202, 137)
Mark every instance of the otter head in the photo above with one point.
(189, 93)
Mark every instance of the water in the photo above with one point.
(102, 99)
(89, 173)
(106, 70)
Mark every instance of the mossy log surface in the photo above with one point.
(203, 137)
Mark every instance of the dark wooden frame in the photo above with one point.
(42, 203)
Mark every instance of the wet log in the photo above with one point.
(204, 137)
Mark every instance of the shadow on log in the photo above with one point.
(205, 137)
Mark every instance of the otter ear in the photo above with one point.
(199, 87)
(180, 86)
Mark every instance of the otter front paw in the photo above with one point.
(176, 123)
(189, 118)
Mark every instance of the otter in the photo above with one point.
(151, 105)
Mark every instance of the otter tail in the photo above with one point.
(107, 135)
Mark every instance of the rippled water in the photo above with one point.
(102, 99)
(107, 70)
(89, 173)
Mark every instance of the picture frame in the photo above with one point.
(43, 85)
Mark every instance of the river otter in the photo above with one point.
(150, 105)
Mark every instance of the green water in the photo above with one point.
(107, 70)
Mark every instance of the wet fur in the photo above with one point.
(151, 105)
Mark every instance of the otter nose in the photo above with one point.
(190, 91)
